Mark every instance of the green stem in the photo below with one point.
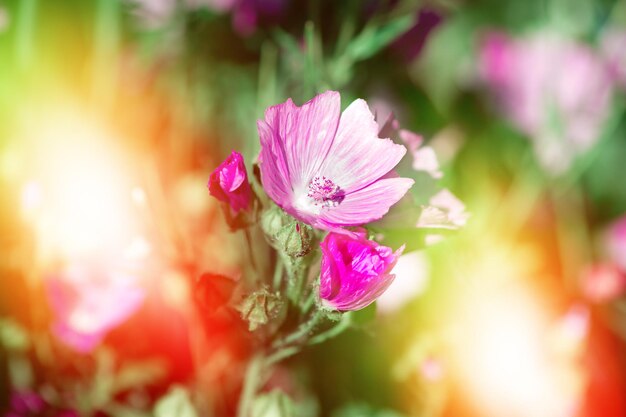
(251, 385)
(334, 331)
(282, 354)
(303, 330)
(248, 236)
(278, 274)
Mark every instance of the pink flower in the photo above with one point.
(562, 111)
(229, 183)
(616, 243)
(354, 271)
(89, 300)
(603, 282)
(444, 211)
(326, 168)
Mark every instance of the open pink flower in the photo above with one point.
(229, 183)
(89, 300)
(326, 168)
(354, 271)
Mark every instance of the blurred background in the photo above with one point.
(113, 113)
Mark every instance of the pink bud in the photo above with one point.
(229, 183)
(355, 271)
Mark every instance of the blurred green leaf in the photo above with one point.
(446, 59)
(176, 403)
(13, 336)
(273, 404)
(20, 372)
(375, 37)
(137, 375)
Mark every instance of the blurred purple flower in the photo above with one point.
(229, 183)
(326, 168)
(88, 300)
(248, 13)
(29, 403)
(563, 111)
(354, 270)
(411, 43)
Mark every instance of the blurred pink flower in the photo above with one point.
(613, 48)
(29, 403)
(424, 157)
(603, 282)
(326, 168)
(89, 299)
(229, 183)
(570, 332)
(444, 211)
(563, 111)
(616, 243)
(354, 270)
(432, 370)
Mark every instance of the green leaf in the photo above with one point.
(375, 37)
(176, 403)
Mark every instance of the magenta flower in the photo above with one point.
(89, 300)
(326, 168)
(29, 403)
(229, 183)
(354, 271)
(563, 112)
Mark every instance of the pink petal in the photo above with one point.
(358, 156)
(273, 165)
(368, 204)
(306, 133)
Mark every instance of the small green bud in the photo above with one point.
(295, 239)
(272, 221)
(261, 307)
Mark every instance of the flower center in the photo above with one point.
(324, 192)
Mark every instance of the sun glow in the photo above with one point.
(77, 192)
(505, 356)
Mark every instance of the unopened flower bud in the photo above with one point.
(261, 307)
(272, 221)
(295, 239)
